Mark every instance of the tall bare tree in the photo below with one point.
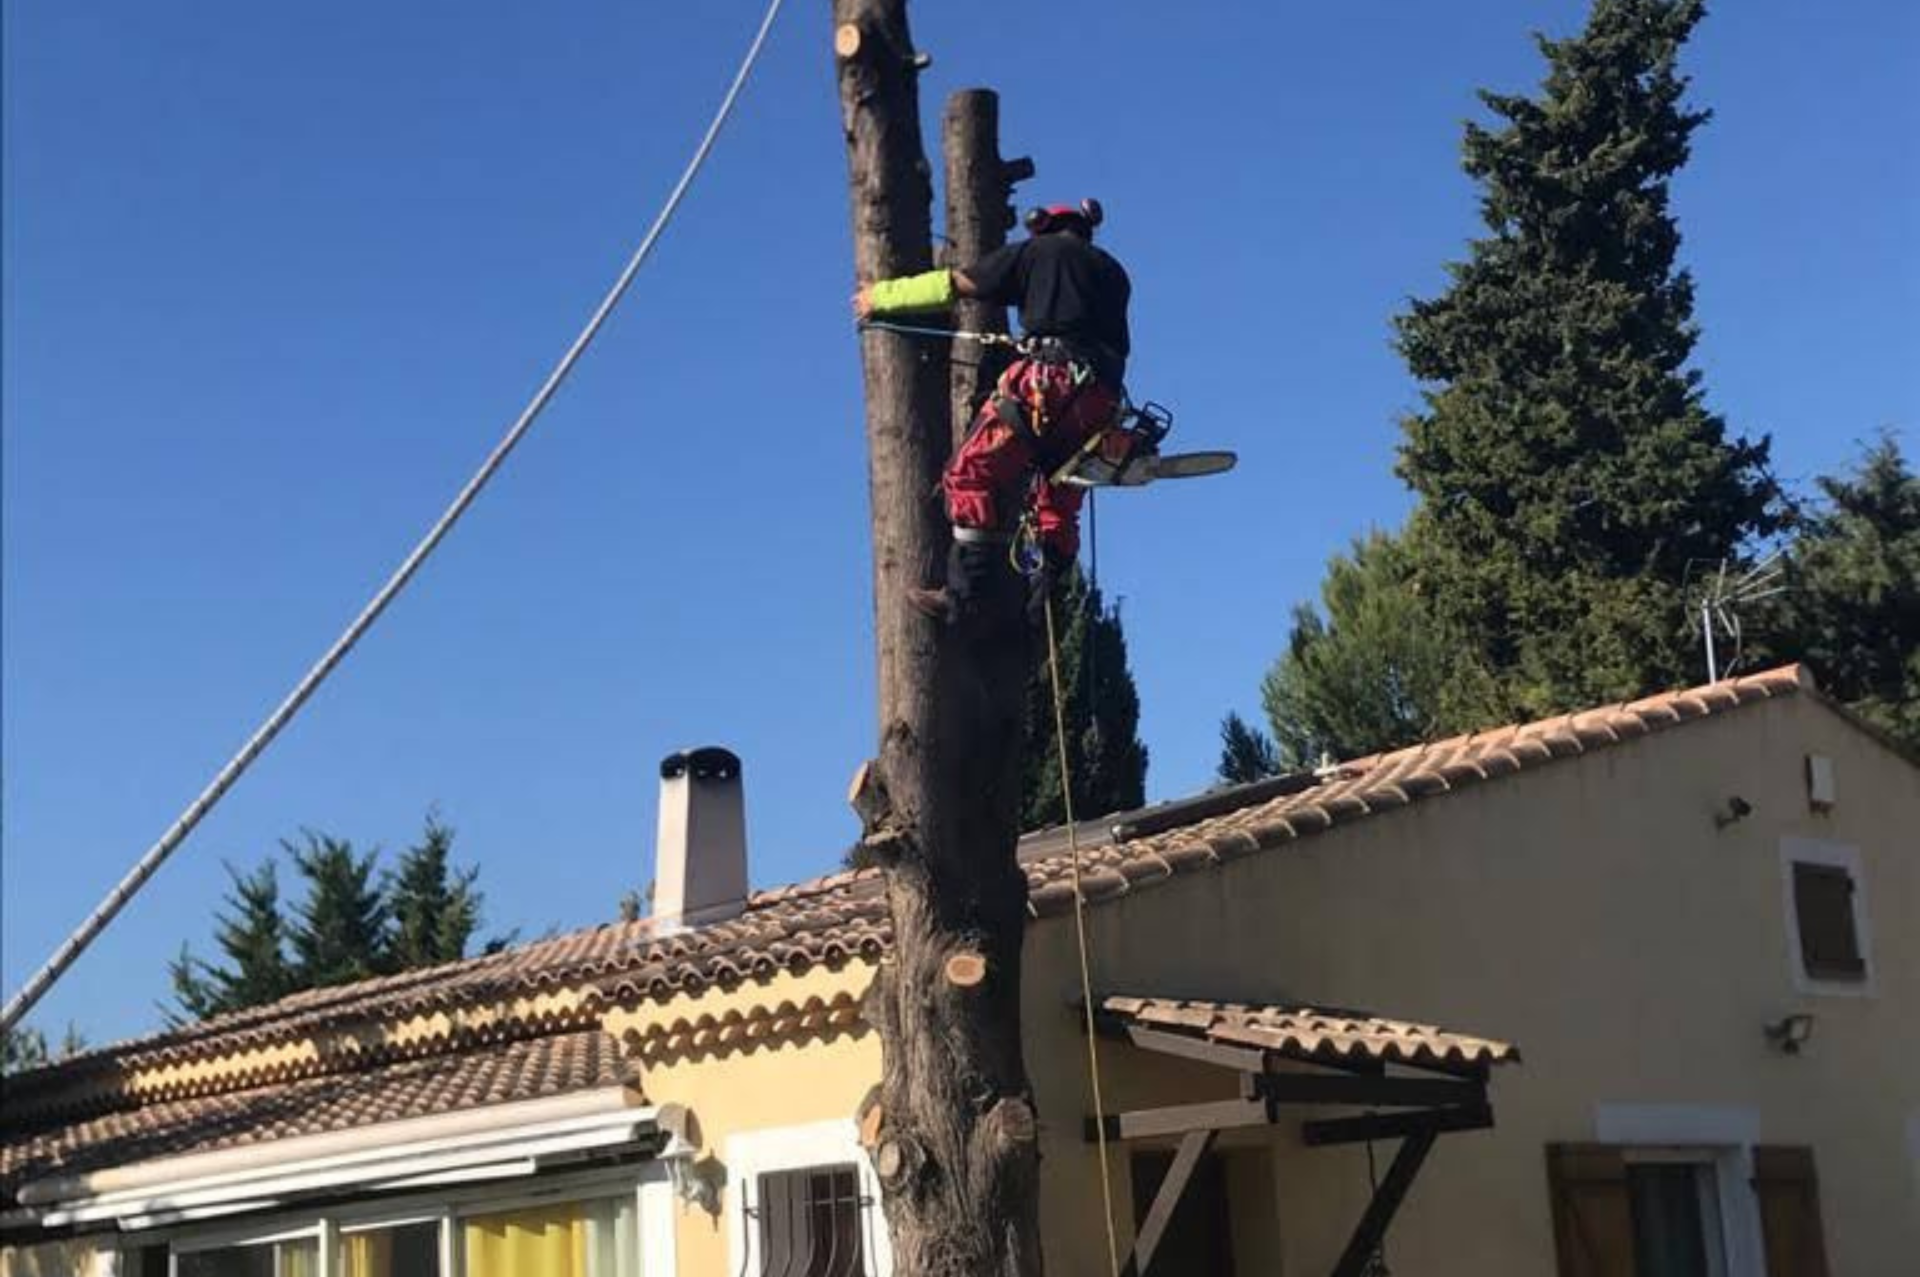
(953, 1131)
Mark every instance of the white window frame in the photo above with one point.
(751, 1154)
(650, 1185)
(1720, 1135)
(1813, 851)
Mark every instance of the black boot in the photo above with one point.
(970, 568)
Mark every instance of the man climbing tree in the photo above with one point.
(1065, 389)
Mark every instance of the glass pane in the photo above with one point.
(573, 1239)
(1669, 1226)
(407, 1250)
(232, 1261)
(812, 1223)
(297, 1258)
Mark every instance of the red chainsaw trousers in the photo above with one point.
(986, 481)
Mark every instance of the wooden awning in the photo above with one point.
(1431, 1081)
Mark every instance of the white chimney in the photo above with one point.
(700, 871)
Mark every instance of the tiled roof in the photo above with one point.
(1310, 1034)
(555, 1065)
(825, 922)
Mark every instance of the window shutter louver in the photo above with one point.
(1592, 1212)
(1789, 1195)
(1823, 904)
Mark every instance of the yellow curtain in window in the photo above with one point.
(549, 1242)
(299, 1259)
(367, 1255)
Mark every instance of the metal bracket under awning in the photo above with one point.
(1435, 1099)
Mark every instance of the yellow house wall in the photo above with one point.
(771, 1085)
(1589, 911)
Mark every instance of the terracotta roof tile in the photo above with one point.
(1310, 1034)
(547, 1066)
(831, 920)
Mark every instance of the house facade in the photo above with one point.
(1632, 991)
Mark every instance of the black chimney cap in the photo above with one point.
(710, 762)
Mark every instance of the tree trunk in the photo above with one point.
(978, 218)
(954, 1138)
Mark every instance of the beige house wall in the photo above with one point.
(1592, 913)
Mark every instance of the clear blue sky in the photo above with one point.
(276, 277)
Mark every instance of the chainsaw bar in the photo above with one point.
(1145, 470)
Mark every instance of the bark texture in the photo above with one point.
(954, 1138)
(978, 219)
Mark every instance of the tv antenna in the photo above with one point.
(1719, 600)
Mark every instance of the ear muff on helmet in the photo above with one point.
(1052, 217)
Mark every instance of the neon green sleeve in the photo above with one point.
(929, 291)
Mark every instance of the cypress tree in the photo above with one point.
(251, 932)
(1569, 470)
(1246, 753)
(1108, 760)
(341, 932)
(434, 907)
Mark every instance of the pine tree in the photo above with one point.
(434, 907)
(1382, 668)
(1568, 468)
(1853, 612)
(1108, 760)
(1246, 753)
(252, 934)
(22, 1048)
(342, 928)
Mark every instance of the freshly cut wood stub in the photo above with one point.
(846, 40)
(965, 970)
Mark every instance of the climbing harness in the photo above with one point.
(104, 913)
(1080, 932)
(1124, 455)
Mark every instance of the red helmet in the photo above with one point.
(1083, 216)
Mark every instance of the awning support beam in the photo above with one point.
(1372, 1228)
(1192, 1148)
(1394, 1126)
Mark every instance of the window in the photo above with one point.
(812, 1223)
(1199, 1236)
(399, 1250)
(1641, 1212)
(588, 1229)
(1675, 1212)
(1830, 941)
(569, 1239)
(295, 1257)
(1823, 913)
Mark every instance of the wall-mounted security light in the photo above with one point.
(1733, 812)
(1791, 1032)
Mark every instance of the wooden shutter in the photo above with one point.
(1823, 904)
(1789, 1194)
(1592, 1212)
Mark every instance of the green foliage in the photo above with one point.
(1853, 612)
(342, 934)
(352, 922)
(23, 1048)
(435, 908)
(1380, 668)
(1109, 763)
(1246, 753)
(252, 934)
(1568, 468)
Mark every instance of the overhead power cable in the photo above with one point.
(96, 922)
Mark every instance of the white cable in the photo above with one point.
(73, 945)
